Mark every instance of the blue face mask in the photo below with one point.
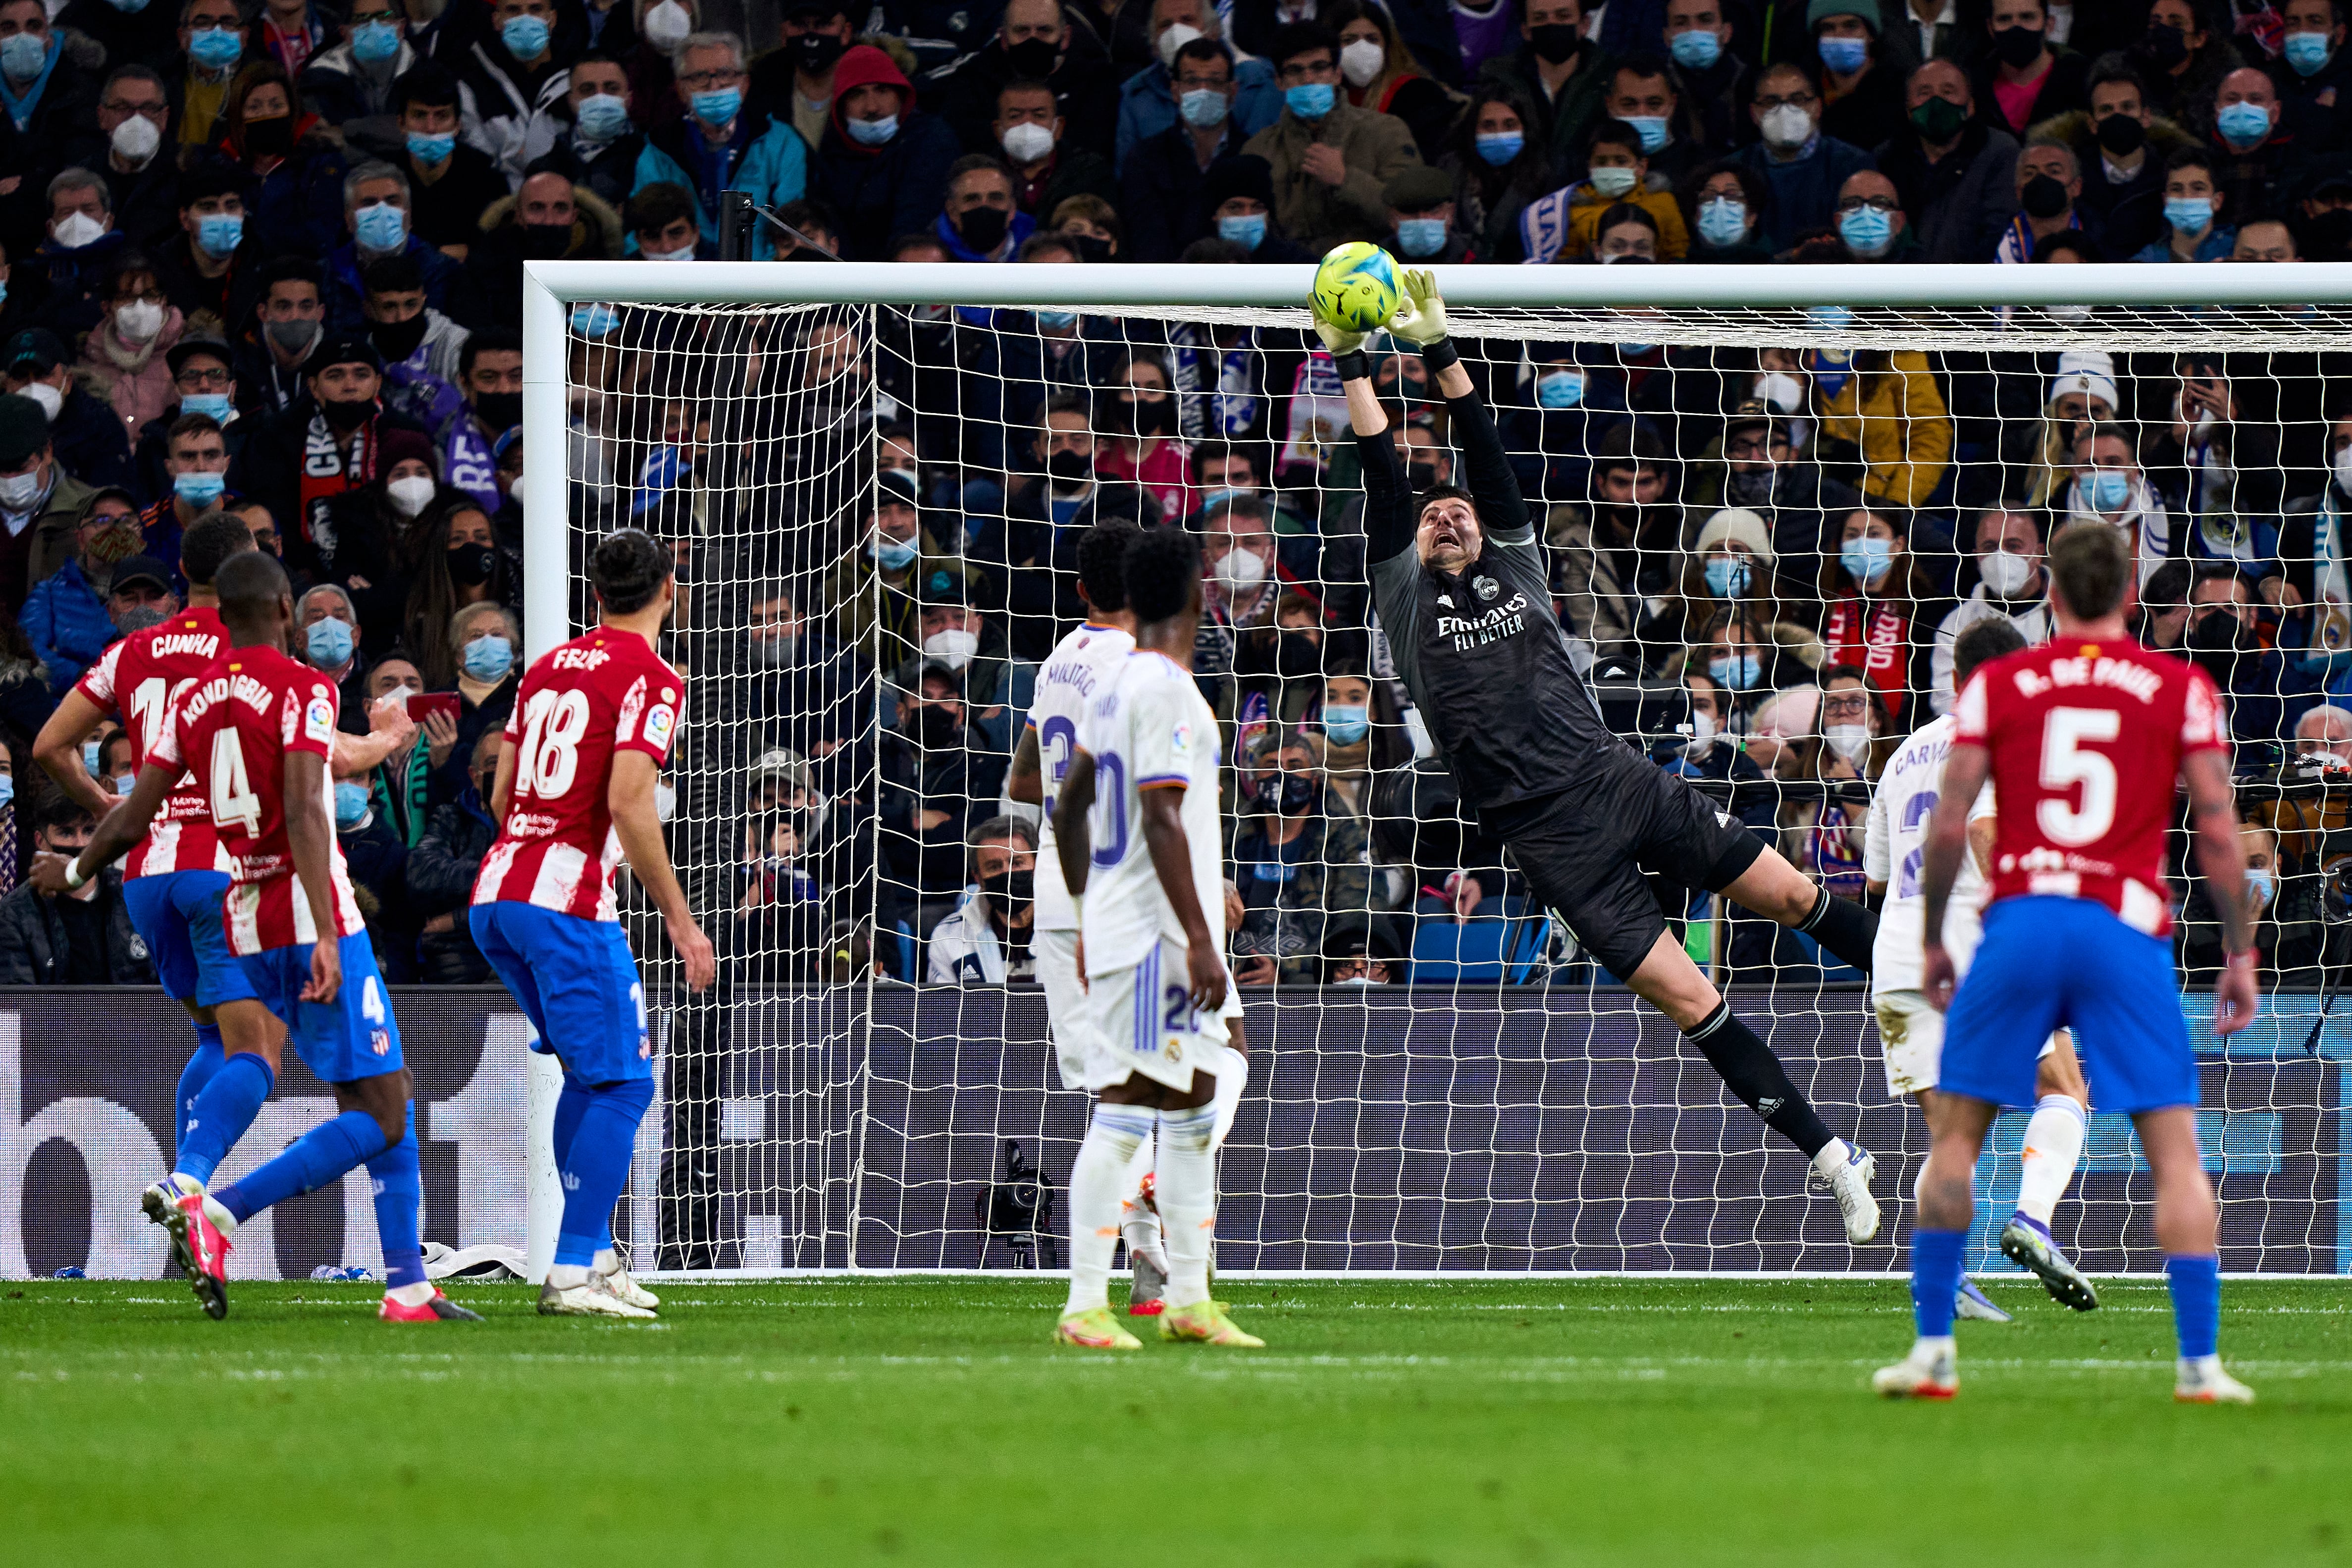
(1203, 107)
(487, 658)
(124, 783)
(1866, 230)
(328, 644)
(351, 802)
(1865, 559)
(200, 490)
(213, 405)
(1345, 723)
(524, 36)
(219, 233)
(432, 149)
(1695, 50)
(721, 104)
(22, 56)
(2108, 489)
(1249, 231)
(602, 117)
(1310, 100)
(1499, 147)
(90, 758)
(595, 320)
(1653, 128)
(1726, 577)
(1419, 236)
(893, 554)
(1057, 320)
(2242, 124)
(873, 132)
(373, 43)
(2306, 52)
(1722, 221)
(1633, 351)
(2189, 214)
(215, 48)
(8, 788)
(1844, 56)
(381, 227)
(1738, 671)
(2259, 886)
(1560, 389)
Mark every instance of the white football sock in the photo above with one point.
(1139, 1223)
(1833, 1154)
(605, 1261)
(1112, 1138)
(415, 1295)
(2053, 1146)
(1188, 1200)
(567, 1276)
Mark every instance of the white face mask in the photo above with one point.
(48, 396)
(1360, 61)
(139, 322)
(1027, 141)
(2343, 466)
(1704, 729)
(666, 24)
(1848, 741)
(1784, 391)
(77, 229)
(135, 140)
(952, 648)
(1786, 125)
(411, 495)
(402, 693)
(2005, 574)
(1178, 34)
(1241, 570)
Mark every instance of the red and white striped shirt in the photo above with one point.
(232, 728)
(137, 680)
(579, 707)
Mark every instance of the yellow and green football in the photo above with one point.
(1356, 287)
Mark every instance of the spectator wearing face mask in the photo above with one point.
(1822, 828)
(1566, 224)
(329, 442)
(1763, 466)
(289, 321)
(2048, 185)
(441, 870)
(1166, 96)
(883, 163)
(1956, 173)
(1801, 165)
(1136, 444)
(980, 222)
(935, 786)
(489, 387)
(1862, 93)
(1723, 205)
(1034, 42)
(1882, 612)
(1730, 563)
(1496, 168)
(98, 596)
(2109, 487)
(370, 529)
(1048, 165)
(1712, 81)
(2011, 584)
(1296, 862)
(876, 589)
(2223, 639)
(589, 133)
(1330, 160)
(2265, 146)
(1364, 734)
(1355, 953)
(2311, 48)
(2183, 59)
(1379, 71)
(1420, 217)
(958, 633)
(484, 643)
(1236, 204)
(2026, 76)
(985, 939)
(1619, 549)
(1160, 173)
(2121, 149)
(459, 567)
(795, 686)
(123, 355)
(1050, 508)
(1241, 582)
(326, 638)
(294, 170)
(1558, 70)
(356, 77)
(449, 182)
(76, 259)
(84, 434)
(2288, 931)
(133, 117)
(80, 938)
(419, 346)
(719, 145)
(2194, 207)
(1870, 226)
(377, 859)
(401, 783)
(195, 470)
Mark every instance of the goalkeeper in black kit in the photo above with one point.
(1459, 579)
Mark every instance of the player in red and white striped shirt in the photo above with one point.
(254, 732)
(591, 726)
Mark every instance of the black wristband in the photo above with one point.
(1353, 365)
(1440, 355)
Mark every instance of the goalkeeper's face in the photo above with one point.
(1449, 538)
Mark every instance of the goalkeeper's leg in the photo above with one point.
(1778, 891)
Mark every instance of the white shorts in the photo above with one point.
(1066, 1002)
(1141, 1020)
(1911, 1034)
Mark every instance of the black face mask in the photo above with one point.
(270, 138)
(1299, 656)
(813, 53)
(501, 411)
(982, 228)
(1419, 476)
(545, 241)
(1010, 891)
(2164, 46)
(397, 340)
(2219, 639)
(2328, 236)
(1071, 467)
(1556, 43)
(470, 564)
(936, 729)
(1288, 794)
(2121, 135)
(2042, 197)
(2017, 46)
(1092, 248)
(1033, 57)
(349, 416)
(1148, 418)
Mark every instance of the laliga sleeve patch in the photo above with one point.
(659, 721)
(319, 719)
(1180, 743)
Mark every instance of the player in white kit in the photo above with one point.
(1911, 1030)
(1136, 830)
(1077, 670)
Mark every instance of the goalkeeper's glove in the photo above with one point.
(1421, 314)
(1338, 340)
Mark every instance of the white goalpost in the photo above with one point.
(1497, 1105)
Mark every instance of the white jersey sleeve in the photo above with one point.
(1079, 669)
(1908, 794)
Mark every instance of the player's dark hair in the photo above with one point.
(58, 809)
(1436, 493)
(1102, 562)
(2089, 567)
(628, 568)
(210, 541)
(249, 584)
(1982, 644)
(1164, 565)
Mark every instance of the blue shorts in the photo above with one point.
(178, 915)
(2048, 961)
(352, 1038)
(577, 984)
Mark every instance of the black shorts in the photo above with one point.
(1584, 853)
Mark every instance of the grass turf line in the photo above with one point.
(1387, 1424)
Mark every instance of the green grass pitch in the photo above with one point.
(929, 1420)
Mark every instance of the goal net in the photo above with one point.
(1771, 500)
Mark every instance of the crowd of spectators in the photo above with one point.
(269, 259)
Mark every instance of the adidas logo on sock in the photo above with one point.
(1767, 1107)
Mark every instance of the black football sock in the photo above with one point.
(1843, 927)
(1756, 1075)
